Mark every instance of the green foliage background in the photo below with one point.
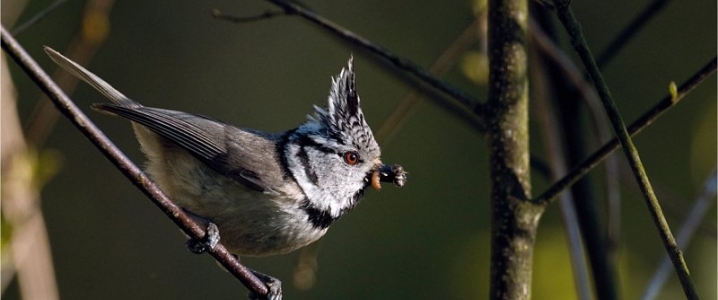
(428, 240)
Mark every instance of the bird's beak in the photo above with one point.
(394, 174)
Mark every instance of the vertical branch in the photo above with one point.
(639, 124)
(27, 254)
(567, 18)
(568, 85)
(549, 127)
(514, 219)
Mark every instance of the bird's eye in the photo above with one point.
(351, 158)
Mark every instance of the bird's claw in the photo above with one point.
(208, 242)
(274, 287)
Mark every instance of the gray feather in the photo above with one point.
(212, 142)
(208, 140)
(96, 82)
(267, 193)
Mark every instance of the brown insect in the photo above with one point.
(376, 179)
(394, 174)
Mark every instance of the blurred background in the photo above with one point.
(427, 240)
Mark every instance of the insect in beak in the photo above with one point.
(394, 174)
(376, 179)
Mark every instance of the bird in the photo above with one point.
(261, 193)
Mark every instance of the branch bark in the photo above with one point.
(514, 218)
(116, 157)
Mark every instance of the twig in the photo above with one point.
(91, 35)
(466, 100)
(675, 205)
(38, 17)
(567, 18)
(117, 158)
(629, 31)
(470, 113)
(618, 43)
(646, 119)
(692, 222)
(266, 15)
(443, 63)
(603, 268)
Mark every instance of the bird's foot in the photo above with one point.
(274, 287)
(206, 243)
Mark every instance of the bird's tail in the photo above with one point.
(95, 81)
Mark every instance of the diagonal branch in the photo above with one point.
(466, 100)
(444, 62)
(38, 17)
(629, 31)
(96, 14)
(646, 119)
(117, 158)
(567, 18)
(692, 222)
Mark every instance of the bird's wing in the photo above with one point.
(246, 156)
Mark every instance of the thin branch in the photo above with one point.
(646, 119)
(464, 109)
(445, 61)
(467, 101)
(675, 205)
(266, 15)
(597, 246)
(629, 31)
(38, 17)
(117, 158)
(691, 224)
(91, 35)
(546, 116)
(567, 18)
(614, 47)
